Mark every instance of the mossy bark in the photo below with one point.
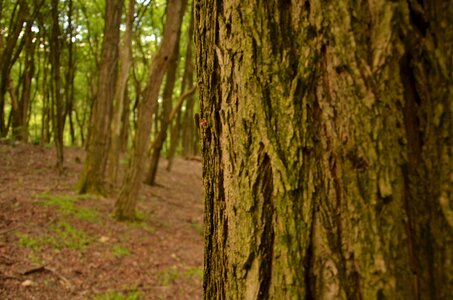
(327, 142)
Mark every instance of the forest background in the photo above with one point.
(79, 80)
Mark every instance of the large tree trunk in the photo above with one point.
(92, 179)
(127, 199)
(327, 134)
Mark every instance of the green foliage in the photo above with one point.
(66, 205)
(140, 221)
(27, 241)
(68, 236)
(119, 250)
(194, 272)
(198, 228)
(114, 295)
(124, 161)
(63, 235)
(168, 276)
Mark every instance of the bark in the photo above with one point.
(327, 154)
(127, 199)
(120, 91)
(92, 179)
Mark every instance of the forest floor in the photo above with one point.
(55, 244)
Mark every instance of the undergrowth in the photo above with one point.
(62, 235)
(115, 295)
(66, 205)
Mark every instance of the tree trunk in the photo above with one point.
(189, 132)
(21, 95)
(167, 99)
(45, 112)
(57, 108)
(127, 199)
(70, 73)
(9, 55)
(92, 179)
(328, 160)
(125, 62)
(186, 81)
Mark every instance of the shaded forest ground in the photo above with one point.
(57, 245)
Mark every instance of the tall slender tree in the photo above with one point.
(187, 80)
(189, 132)
(167, 102)
(127, 199)
(92, 179)
(57, 96)
(70, 72)
(327, 132)
(10, 53)
(120, 91)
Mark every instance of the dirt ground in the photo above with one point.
(55, 244)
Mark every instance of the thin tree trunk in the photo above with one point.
(45, 112)
(8, 56)
(70, 73)
(167, 99)
(189, 132)
(57, 97)
(127, 199)
(174, 141)
(163, 132)
(125, 125)
(327, 131)
(120, 91)
(20, 95)
(29, 72)
(92, 179)
(186, 81)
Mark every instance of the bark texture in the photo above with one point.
(327, 132)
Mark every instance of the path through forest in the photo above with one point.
(57, 245)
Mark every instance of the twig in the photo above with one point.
(10, 229)
(33, 270)
(62, 278)
(51, 270)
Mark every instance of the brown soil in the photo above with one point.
(57, 245)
